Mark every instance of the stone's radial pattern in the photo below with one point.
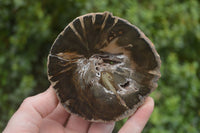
(102, 67)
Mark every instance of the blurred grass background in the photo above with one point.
(29, 27)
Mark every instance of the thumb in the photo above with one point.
(31, 112)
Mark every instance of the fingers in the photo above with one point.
(50, 126)
(29, 115)
(43, 103)
(77, 124)
(101, 127)
(136, 123)
(59, 115)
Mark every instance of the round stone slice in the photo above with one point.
(102, 67)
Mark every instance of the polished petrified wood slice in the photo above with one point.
(102, 67)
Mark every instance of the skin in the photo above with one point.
(43, 113)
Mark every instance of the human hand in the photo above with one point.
(43, 113)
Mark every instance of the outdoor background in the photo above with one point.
(29, 27)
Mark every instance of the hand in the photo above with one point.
(43, 113)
